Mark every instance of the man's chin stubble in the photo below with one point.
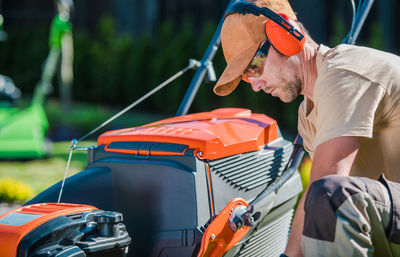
(292, 91)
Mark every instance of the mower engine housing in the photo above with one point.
(171, 178)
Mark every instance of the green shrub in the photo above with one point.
(304, 170)
(377, 37)
(116, 69)
(12, 190)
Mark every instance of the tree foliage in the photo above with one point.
(116, 69)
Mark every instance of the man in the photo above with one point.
(350, 123)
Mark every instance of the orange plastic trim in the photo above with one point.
(219, 237)
(11, 235)
(213, 135)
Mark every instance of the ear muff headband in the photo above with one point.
(287, 44)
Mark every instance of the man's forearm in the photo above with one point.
(335, 156)
(293, 248)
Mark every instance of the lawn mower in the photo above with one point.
(218, 183)
(23, 130)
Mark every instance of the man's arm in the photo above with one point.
(335, 156)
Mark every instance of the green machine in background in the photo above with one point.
(23, 130)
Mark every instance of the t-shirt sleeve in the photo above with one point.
(305, 129)
(346, 104)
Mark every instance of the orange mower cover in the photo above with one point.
(213, 135)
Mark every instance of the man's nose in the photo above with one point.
(257, 84)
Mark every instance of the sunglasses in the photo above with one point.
(256, 67)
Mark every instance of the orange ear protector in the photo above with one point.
(284, 33)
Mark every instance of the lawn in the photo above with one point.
(81, 118)
(42, 173)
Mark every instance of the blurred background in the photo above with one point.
(124, 48)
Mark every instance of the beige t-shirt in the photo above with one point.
(357, 93)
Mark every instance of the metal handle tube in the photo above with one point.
(361, 16)
(201, 72)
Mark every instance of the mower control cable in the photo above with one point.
(193, 64)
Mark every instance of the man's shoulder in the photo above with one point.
(347, 52)
(373, 65)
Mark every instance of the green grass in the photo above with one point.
(42, 173)
(81, 118)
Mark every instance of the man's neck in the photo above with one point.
(308, 72)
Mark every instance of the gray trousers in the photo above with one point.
(352, 216)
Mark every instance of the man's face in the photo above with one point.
(280, 77)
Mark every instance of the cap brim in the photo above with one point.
(230, 78)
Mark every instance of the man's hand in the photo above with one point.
(335, 156)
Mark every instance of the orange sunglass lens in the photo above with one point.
(245, 79)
